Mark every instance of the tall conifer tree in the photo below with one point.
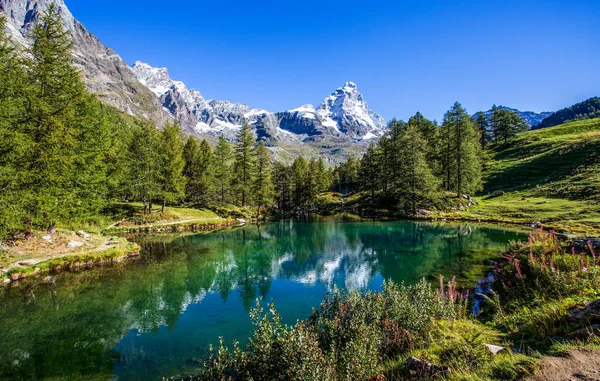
(244, 164)
(481, 121)
(461, 151)
(263, 185)
(55, 93)
(223, 157)
(417, 184)
(172, 164)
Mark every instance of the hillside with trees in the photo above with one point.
(588, 109)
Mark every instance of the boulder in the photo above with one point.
(75, 244)
(494, 348)
(587, 314)
(498, 193)
(585, 333)
(566, 237)
(425, 369)
(83, 234)
(47, 238)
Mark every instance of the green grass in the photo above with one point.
(550, 175)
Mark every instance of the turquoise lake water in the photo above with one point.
(155, 317)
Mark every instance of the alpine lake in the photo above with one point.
(157, 316)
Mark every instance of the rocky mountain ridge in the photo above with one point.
(105, 73)
(344, 115)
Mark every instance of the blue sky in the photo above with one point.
(405, 56)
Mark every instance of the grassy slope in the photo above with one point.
(550, 175)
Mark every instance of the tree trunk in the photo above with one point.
(150, 207)
(51, 228)
(163, 205)
(258, 214)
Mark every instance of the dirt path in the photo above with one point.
(577, 365)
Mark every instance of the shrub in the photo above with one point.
(348, 338)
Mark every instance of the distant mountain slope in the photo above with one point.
(561, 162)
(548, 176)
(104, 72)
(587, 109)
(342, 116)
(532, 118)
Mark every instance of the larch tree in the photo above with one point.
(223, 157)
(299, 174)
(483, 125)
(507, 124)
(429, 130)
(370, 171)
(282, 181)
(461, 151)
(198, 171)
(417, 184)
(55, 92)
(263, 185)
(244, 164)
(172, 163)
(13, 140)
(144, 164)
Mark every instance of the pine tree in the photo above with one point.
(299, 173)
(430, 132)
(222, 167)
(507, 124)
(370, 171)
(55, 94)
(144, 164)
(323, 177)
(482, 124)
(198, 171)
(282, 181)
(244, 164)
(13, 140)
(417, 184)
(263, 186)
(461, 151)
(98, 157)
(172, 164)
(495, 123)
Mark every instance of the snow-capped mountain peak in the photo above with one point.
(347, 108)
(343, 115)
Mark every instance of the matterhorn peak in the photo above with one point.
(350, 85)
(347, 109)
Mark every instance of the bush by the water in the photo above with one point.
(354, 336)
(382, 335)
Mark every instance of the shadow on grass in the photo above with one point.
(558, 164)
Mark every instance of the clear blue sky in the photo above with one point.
(405, 56)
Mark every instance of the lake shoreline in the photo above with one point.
(30, 267)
